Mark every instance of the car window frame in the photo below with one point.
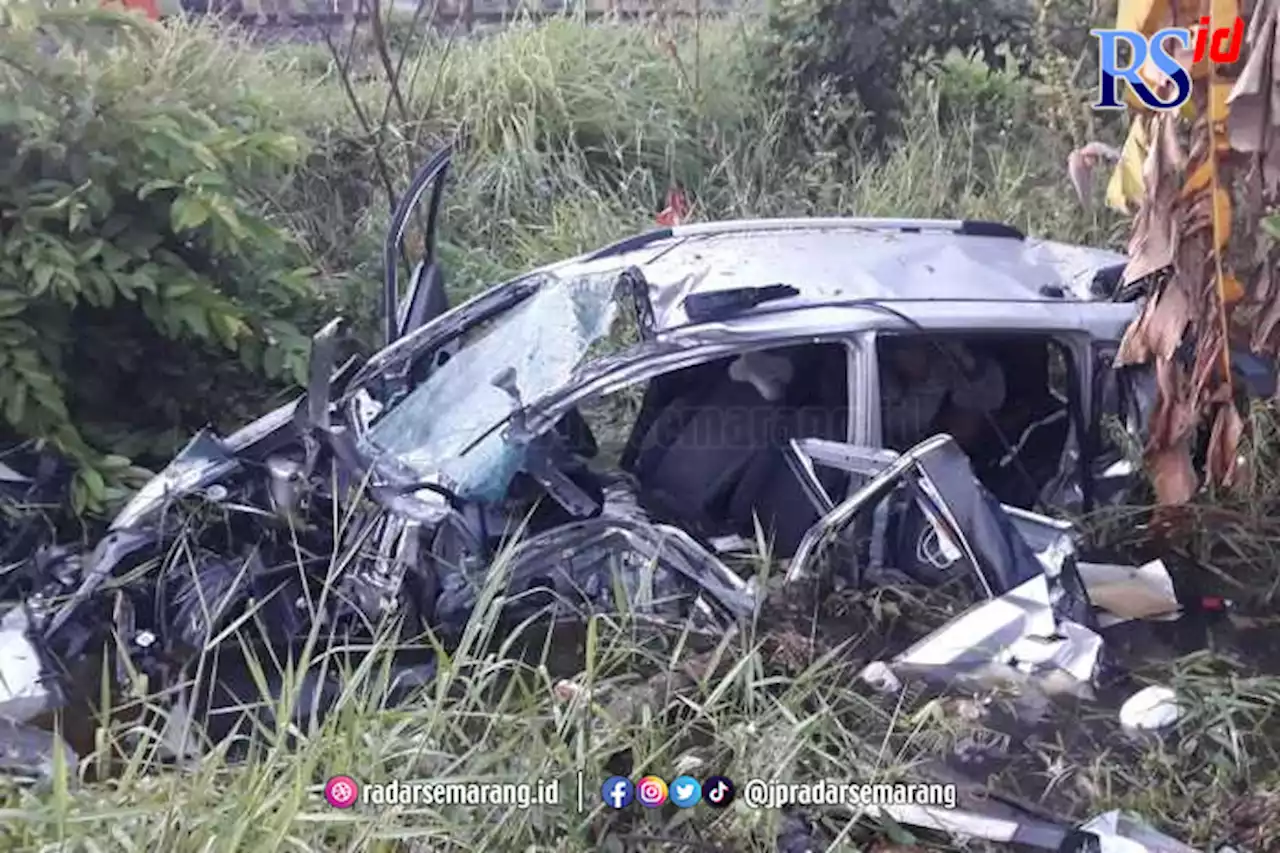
(1077, 344)
(601, 385)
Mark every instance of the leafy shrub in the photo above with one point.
(837, 67)
(141, 288)
(997, 103)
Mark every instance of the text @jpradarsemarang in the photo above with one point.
(768, 794)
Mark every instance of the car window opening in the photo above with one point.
(704, 446)
(1007, 400)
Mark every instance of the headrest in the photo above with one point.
(770, 374)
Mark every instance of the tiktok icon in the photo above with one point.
(718, 792)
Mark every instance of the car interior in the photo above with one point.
(707, 446)
(1018, 449)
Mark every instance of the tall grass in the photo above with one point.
(778, 701)
(571, 134)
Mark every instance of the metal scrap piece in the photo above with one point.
(30, 754)
(204, 460)
(1019, 629)
(1122, 832)
(1028, 831)
(27, 687)
(662, 569)
(108, 554)
(1004, 546)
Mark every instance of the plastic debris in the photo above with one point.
(1125, 593)
(1150, 709)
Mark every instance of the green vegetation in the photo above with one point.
(179, 208)
(143, 288)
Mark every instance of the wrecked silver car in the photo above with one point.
(612, 430)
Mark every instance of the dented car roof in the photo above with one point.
(847, 260)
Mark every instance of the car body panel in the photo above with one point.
(847, 259)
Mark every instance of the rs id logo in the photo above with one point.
(1172, 52)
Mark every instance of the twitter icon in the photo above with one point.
(685, 791)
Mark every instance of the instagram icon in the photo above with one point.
(651, 791)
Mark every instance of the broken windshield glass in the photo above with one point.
(541, 342)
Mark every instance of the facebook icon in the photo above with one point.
(617, 792)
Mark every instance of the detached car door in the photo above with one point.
(923, 514)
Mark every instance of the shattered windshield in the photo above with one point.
(543, 340)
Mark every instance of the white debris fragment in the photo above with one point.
(731, 543)
(1150, 709)
(566, 691)
(1121, 832)
(689, 764)
(1017, 629)
(881, 677)
(1125, 593)
(1080, 651)
(22, 691)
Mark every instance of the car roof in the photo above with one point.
(845, 260)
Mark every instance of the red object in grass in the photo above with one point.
(1213, 602)
(676, 210)
(146, 7)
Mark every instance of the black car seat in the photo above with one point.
(708, 450)
(1034, 426)
(690, 454)
(816, 406)
(659, 421)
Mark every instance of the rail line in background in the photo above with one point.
(269, 15)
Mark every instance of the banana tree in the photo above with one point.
(1184, 175)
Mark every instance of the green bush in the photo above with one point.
(141, 288)
(836, 68)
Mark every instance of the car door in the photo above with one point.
(923, 514)
(1122, 400)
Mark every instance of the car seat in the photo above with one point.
(1034, 424)
(816, 406)
(708, 450)
(660, 420)
(690, 454)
